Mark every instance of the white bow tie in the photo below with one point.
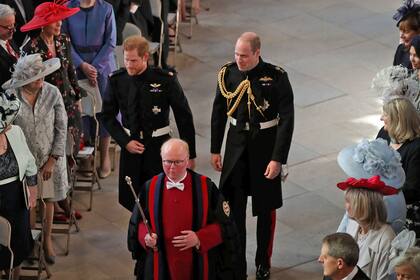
(179, 186)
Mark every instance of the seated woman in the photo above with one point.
(402, 127)
(408, 22)
(370, 158)
(408, 265)
(43, 120)
(367, 223)
(364, 201)
(16, 162)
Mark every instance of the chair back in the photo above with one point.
(156, 6)
(130, 30)
(5, 235)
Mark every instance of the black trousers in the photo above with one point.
(236, 191)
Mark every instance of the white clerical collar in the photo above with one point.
(182, 179)
(352, 274)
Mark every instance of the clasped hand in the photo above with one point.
(188, 239)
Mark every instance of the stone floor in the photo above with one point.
(331, 50)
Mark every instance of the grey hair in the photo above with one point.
(411, 258)
(342, 245)
(6, 10)
(28, 66)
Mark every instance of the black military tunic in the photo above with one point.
(150, 97)
(144, 102)
(273, 99)
(115, 101)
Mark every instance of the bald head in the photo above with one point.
(252, 39)
(175, 155)
(176, 144)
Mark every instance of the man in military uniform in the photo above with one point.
(143, 95)
(257, 100)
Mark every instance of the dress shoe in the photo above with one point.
(49, 259)
(263, 273)
(103, 174)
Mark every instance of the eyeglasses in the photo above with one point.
(9, 28)
(174, 162)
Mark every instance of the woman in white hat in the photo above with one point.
(43, 120)
(16, 163)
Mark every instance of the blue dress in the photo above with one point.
(93, 38)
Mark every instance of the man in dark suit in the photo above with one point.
(122, 14)
(24, 12)
(8, 50)
(258, 99)
(339, 256)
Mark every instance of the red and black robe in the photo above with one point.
(209, 207)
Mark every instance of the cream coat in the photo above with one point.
(24, 157)
(374, 254)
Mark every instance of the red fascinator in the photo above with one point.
(47, 13)
(374, 183)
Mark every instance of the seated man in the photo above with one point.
(339, 256)
(192, 234)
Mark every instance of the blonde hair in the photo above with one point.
(411, 258)
(367, 207)
(404, 120)
(136, 42)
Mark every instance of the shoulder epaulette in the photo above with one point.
(118, 72)
(164, 72)
(277, 68)
(227, 64)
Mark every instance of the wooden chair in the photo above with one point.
(38, 258)
(5, 235)
(84, 179)
(174, 20)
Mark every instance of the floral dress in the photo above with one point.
(64, 79)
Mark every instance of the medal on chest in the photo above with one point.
(156, 110)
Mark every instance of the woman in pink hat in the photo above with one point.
(52, 43)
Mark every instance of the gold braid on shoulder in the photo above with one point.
(239, 92)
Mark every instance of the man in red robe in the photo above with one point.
(189, 222)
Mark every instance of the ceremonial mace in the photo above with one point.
(137, 200)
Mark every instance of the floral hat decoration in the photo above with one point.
(372, 158)
(47, 13)
(395, 82)
(374, 183)
(408, 7)
(30, 68)
(9, 108)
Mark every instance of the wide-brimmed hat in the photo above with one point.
(374, 183)
(9, 108)
(408, 8)
(47, 13)
(369, 158)
(30, 68)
